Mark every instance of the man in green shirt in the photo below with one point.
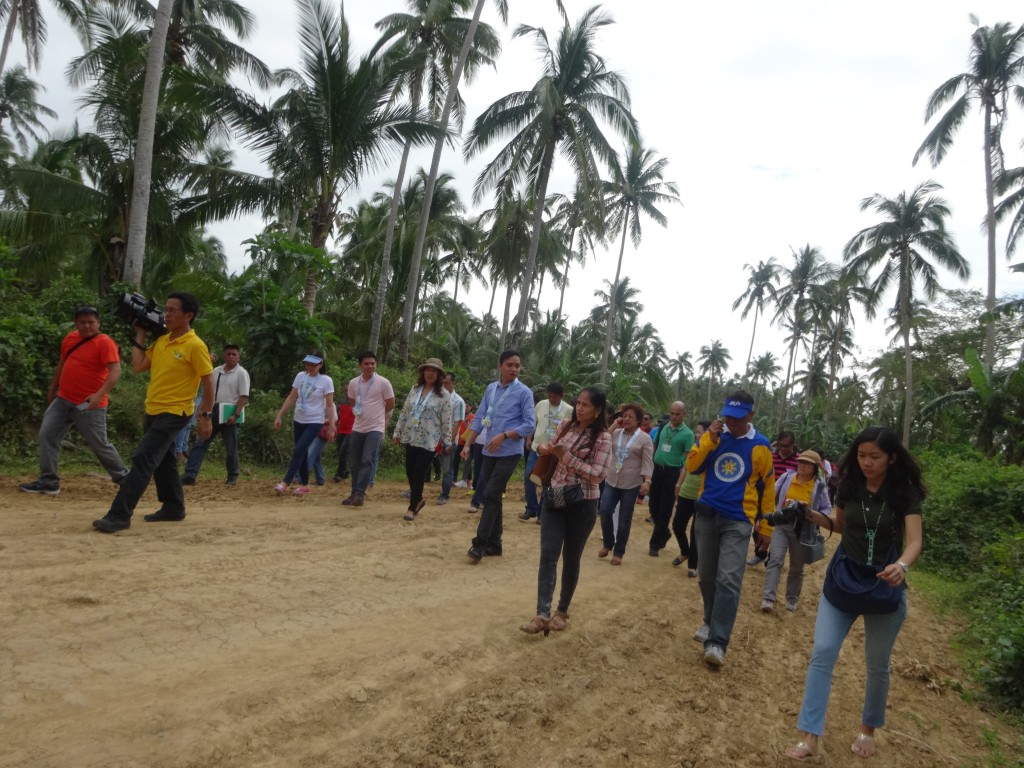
(671, 447)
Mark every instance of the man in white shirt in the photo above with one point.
(549, 414)
(373, 400)
(230, 387)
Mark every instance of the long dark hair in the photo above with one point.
(598, 399)
(902, 478)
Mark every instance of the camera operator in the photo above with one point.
(177, 362)
(89, 367)
(806, 486)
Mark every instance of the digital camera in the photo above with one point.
(137, 310)
(791, 512)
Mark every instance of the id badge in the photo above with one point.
(487, 421)
(666, 447)
(357, 410)
(618, 466)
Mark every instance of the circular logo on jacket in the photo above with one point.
(729, 467)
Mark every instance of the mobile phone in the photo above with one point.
(82, 406)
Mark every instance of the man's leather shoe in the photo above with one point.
(475, 554)
(110, 524)
(160, 516)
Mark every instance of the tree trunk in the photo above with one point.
(610, 324)
(908, 360)
(753, 333)
(508, 310)
(990, 228)
(539, 195)
(144, 146)
(12, 22)
(428, 189)
(565, 274)
(707, 405)
(458, 274)
(494, 293)
(785, 390)
(385, 258)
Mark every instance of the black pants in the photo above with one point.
(662, 497)
(497, 470)
(154, 459)
(417, 468)
(563, 532)
(685, 512)
(341, 441)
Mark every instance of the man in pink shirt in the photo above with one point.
(373, 400)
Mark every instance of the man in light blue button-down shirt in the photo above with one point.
(506, 410)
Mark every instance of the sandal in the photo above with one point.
(863, 745)
(420, 506)
(603, 552)
(678, 561)
(410, 516)
(616, 560)
(557, 622)
(803, 753)
(536, 625)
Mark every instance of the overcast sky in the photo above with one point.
(777, 120)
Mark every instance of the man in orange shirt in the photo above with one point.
(89, 367)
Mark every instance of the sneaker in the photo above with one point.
(348, 501)
(714, 655)
(188, 480)
(320, 481)
(473, 510)
(37, 487)
(767, 606)
(702, 633)
(791, 605)
(441, 501)
(358, 499)
(231, 481)
(691, 573)
(281, 488)
(110, 524)
(160, 516)
(302, 490)
(525, 516)
(406, 494)
(460, 484)
(652, 552)
(754, 560)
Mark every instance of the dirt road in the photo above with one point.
(266, 631)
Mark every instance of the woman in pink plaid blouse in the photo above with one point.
(584, 453)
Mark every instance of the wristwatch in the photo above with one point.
(903, 565)
(206, 415)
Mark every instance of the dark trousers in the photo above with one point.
(417, 468)
(341, 441)
(562, 532)
(488, 532)
(662, 497)
(685, 511)
(625, 498)
(154, 459)
(195, 457)
(304, 434)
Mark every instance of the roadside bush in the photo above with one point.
(999, 619)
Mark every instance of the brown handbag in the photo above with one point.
(545, 467)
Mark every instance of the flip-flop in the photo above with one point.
(804, 753)
(863, 742)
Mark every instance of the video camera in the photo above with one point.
(137, 310)
(791, 512)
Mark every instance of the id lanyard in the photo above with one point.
(420, 404)
(493, 407)
(873, 532)
(620, 452)
(305, 391)
(553, 421)
(357, 409)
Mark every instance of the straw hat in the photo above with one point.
(432, 362)
(811, 457)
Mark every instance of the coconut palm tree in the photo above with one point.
(795, 303)
(637, 186)
(506, 242)
(561, 111)
(576, 216)
(335, 123)
(763, 370)
(27, 16)
(680, 366)
(19, 107)
(995, 69)
(714, 361)
(431, 36)
(761, 282)
(913, 226)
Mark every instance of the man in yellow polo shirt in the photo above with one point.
(177, 362)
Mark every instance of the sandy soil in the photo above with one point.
(266, 631)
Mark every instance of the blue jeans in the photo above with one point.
(562, 532)
(153, 459)
(316, 449)
(626, 499)
(195, 458)
(723, 552)
(497, 470)
(363, 450)
(529, 489)
(830, 630)
(305, 434)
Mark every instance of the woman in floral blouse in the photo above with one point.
(583, 449)
(426, 420)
